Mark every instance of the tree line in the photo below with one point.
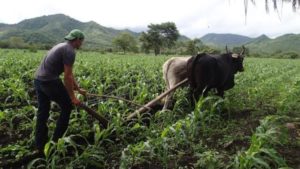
(158, 39)
(16, 42)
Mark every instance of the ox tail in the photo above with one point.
(191, 69)
(165, 72)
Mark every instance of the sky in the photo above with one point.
(193, 18)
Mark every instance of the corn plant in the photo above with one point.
(260, 154)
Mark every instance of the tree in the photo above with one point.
(4, 44)
(159, 36)
(194, 46)
(126, 42)
(16, 42)
(145, 39)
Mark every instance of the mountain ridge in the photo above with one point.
(51, 29)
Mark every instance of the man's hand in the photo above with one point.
(75, 101)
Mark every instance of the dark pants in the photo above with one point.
(51, 91)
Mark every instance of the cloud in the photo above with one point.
(194, 18)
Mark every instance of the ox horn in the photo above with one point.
(243, 51)
(226, 48)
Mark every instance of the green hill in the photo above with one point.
(221, 40)
(282, 44)
(51, 29)
(262, 44)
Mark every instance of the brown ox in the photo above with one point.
(174, 71)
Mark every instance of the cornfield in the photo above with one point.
(256, 124)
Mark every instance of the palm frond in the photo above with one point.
(295, 4)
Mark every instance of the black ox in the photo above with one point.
(206, 72)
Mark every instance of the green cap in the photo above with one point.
(75, 33)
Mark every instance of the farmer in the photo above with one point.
(49, 87)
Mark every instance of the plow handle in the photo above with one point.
(93, 113)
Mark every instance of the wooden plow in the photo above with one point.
(103, 121)
(158, 98)
(144, 108)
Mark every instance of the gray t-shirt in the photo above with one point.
(53, 64)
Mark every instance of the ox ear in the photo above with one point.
(234, 55)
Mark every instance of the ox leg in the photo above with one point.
(196, 95)
(191, 96)
(205, 91)
(220, 93)
(168, 101)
